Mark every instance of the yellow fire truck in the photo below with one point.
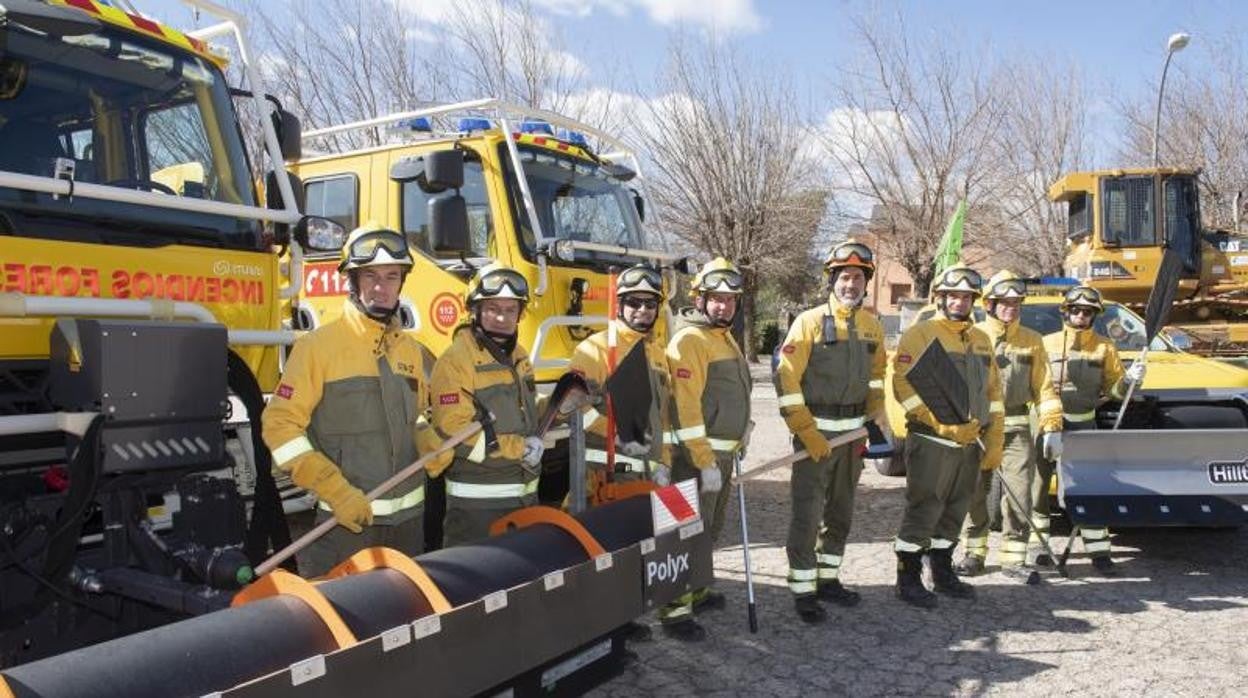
(133, 252)
(479, 181)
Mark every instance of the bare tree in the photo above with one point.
(729, 172)
(916, 131)
(1204, 124)
(1042, 137)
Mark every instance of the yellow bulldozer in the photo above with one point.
(1120, 222)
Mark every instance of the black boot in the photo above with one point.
(688, 630)
(832, 590)
(1104, 565)
(809, 610)
(910, 581)
(708, 600)
(944, 579)
(970, 565)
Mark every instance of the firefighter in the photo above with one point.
(486, 371)
(639, 295)
(1026, 385)
(350, 409)
(829, 380)
(711, 389)
(1086, 370)
(944, 460)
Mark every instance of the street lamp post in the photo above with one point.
(1175, 44)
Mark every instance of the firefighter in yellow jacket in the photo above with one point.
(639, 293)
(486, 371)
(944, 460)
(351, 407)
(711, 386)
(1086, 369)
(1021, 358)
(829, 380)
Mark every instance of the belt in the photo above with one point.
(390, 507)
(839, 411)
(844, 424)
(473, 490)
(622, 462)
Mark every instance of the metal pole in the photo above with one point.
(1160, 91)
(745, 543)
(577, 485)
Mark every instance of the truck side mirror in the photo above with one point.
(448, 224)
(289, 134)
(435, 172)
(320, 234)
(273, 200)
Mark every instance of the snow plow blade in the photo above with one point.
(1147, 478)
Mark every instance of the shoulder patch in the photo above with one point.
(684, 373)
(789, 349)
(903, 358)
(284, 391)
(448, 399)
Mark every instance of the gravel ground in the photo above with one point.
(1174, 621)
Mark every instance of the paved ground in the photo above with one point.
(1173, 622)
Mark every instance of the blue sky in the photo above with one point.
(1118, 44)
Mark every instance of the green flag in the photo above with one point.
(950, 249)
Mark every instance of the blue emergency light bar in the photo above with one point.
(535, 126)
(419, 123)
(573, 137)
(474, 123)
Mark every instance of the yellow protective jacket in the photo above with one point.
(589, 360)
(354, 393)
(466, 379)
(711, 389)
(1025, 380)
(831, 381)
(971, 352)
(1085, 368)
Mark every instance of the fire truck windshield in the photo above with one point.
(575, 200)
(120, 111)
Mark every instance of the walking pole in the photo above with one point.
(745, 544)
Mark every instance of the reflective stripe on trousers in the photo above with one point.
(802, 582)
(829, 566)
(1013, 552)
(472, 490)
(390, 507)
(976, 546)
(1095, 540)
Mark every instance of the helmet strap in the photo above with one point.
(500, 346)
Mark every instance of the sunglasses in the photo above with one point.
(493, 283)
(1081, 310)
(636, 303)
(845, 252)
(725, 277)
(366, 246)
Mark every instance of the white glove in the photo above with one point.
(1051, 446)
(662, 475)
(1135, 372)
(712, 479)
(632, 449)
(533, 449)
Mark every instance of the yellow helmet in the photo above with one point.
(495, 280)
(958, 278)
(1085, 296)
(372, 245)
(850, 253)
(1005, 284)
(718, 276)
(640, 278)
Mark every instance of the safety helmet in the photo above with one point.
(850, 253)
(1085, 296)
(495, 280)
(959, 278)
(1005, 284)
(718, 276)
(641, 278)
(372, 245)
